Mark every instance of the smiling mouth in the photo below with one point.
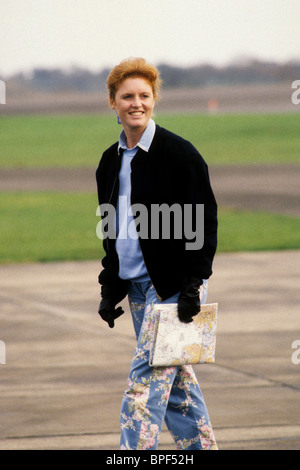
(136, 113)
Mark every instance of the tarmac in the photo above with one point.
(65, 370)
(269, 188)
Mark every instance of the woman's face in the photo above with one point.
(134, 103)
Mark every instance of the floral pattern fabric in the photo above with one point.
(156, 394)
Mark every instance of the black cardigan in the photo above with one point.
(172, 172)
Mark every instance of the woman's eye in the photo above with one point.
(129, 97)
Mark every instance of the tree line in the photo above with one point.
(84, 80)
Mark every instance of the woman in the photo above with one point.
(152, 168)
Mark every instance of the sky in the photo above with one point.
(96, 34)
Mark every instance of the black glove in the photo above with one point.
(189, 300)
(108, 312)
(112, 294)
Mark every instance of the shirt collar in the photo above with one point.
(146, 139)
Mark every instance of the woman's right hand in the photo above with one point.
(108, 312)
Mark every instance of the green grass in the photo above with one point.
(256, 231)
(48, 227)
(240, 139)
(79, 140)
(54, 141)
(56, 227)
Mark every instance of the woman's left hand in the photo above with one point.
(189, 300)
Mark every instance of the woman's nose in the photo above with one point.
(136, 102)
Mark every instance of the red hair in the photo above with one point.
(133, 67)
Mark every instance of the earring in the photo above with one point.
(119, 122)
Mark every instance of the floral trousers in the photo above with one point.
(156, 394)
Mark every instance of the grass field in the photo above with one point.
(79, 140)
(48, 226)
(56, 226)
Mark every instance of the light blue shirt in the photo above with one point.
(131, 262)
